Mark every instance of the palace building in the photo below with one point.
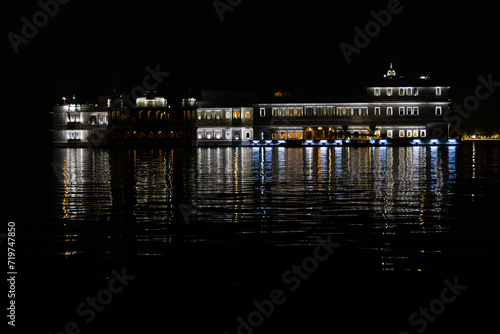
(394, 110)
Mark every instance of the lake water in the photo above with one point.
(208, 231)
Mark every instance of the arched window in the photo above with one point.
(247, 115)
(278, 94)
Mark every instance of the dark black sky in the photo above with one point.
(91, 47)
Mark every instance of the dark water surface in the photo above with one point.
(208, 231)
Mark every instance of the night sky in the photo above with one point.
(90, 47)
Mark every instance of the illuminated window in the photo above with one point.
(200, 134)
(247, 115)
(218, 114)
(409, 91)
(199, 115)
(389, 91)
(408, 133)
(236, 114)
(309, 111)
(401, 133)
(278, 94)
(401, 111)
(319, 111)
(389, 111)
(228, 135)
(262, 112)
(377, 91)
(351, 111)
(300, 111)
(438, 91)
(364, 111)
(340, 111)
(390, 133)
(377, 111)
(330, 111)
(401, 91)
(415, 133)
(218, 134)
(208, 115)
(439, 111)
(228, 115)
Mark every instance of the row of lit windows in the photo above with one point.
(343, 111)
(403, 91)
(220, 134)
(218, 114)
(405, 133)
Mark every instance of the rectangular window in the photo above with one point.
(389, 91)
(377, 91)
(409, 91)
(309, 111)
(340, 111)
(401, 111)
(439, 111)
(401, 91)
(329, 111)
(248, 115)
(408, 133)
(377, 111)
(300, 111)
(364, 111)
(423, 133)
(401, 133)
(416, 112)
(389, 111)
(409, 111)
(390, 133)
(262, 112)
(351, 111)
(319, 111)
(438, 91)
(228, 115)
(415, 133)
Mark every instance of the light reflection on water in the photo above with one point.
(383, 201)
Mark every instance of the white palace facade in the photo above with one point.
(396, 110)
